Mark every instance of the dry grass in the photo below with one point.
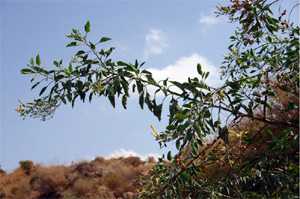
(97, 179)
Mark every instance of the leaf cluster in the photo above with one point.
(263, 57)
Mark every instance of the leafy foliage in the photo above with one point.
(263, 58)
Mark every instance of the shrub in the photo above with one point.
(78, 181)
(134, 161)
(49, 180)
(83, 187)
(27, 166)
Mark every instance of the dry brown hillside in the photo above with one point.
(97, 179)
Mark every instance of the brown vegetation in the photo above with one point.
(97, 179)
(249, 140)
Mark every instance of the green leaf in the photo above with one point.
(104, 39)
(157, 111)
(178, 84)
(82, 96)
(73, 101)
(199, 69)
(58, 77)
(141, 100)
(91, 97)
(93, 46)
(223, 134)
(80, 52)
(139, 86)
(178, 144)
(73, 43)
(133, 88)
(169, 156)
(154, 132)
(291, 106)
(121, 63)
(40, 70)
(124, 101)
(63, 99)
(148, 101)
(43, 90)
(112, 100)
(87, 27)
(31, 61)
(38, 59)
(206, 75)
(26, 71)
(35, 85)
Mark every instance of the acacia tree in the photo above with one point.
(263, 57)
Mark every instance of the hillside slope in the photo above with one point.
(97, 179)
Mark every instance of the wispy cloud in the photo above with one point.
(186, 67)
(209, 20)
(129, 153)
(155, 42)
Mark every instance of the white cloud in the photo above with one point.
(155, 43)
(129, 153)
(186, 67)
(209, 20)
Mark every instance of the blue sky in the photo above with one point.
(171, 36)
